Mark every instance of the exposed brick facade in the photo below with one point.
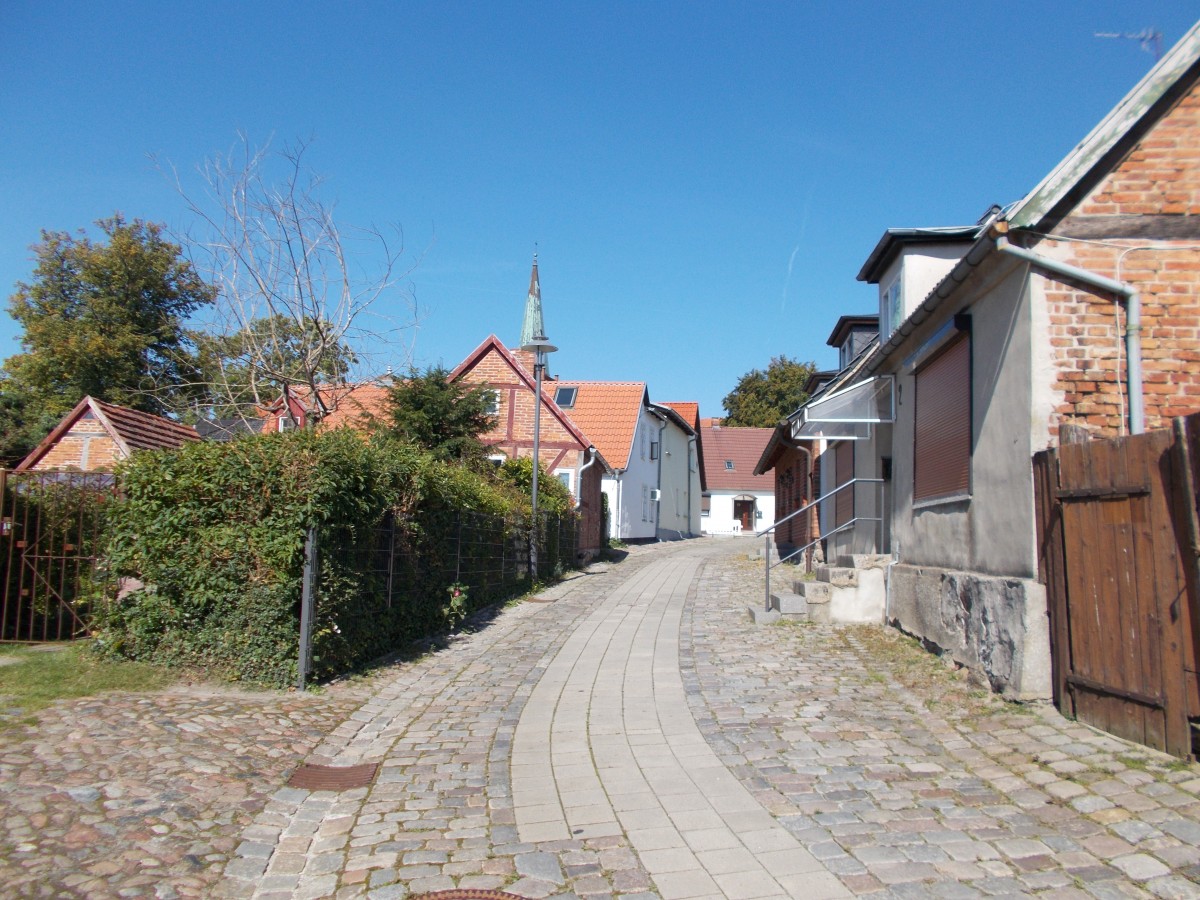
(1158, 178)
(86, 447)
(513, 434)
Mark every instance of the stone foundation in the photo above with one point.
(997, 627)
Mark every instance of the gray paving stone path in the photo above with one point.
(637, 737)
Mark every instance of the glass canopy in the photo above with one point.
(846, 414)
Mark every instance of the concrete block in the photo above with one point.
(813, 591)
(838, 576)
(789, 604)
(760, 616)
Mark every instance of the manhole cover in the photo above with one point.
(468, 894)
(333, 778)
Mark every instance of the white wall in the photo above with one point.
(631, 512)
(720, 518)
(920, 268)
(679, 508)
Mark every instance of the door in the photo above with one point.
(743, 511)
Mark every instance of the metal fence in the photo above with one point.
(368, 592)
(51, 528)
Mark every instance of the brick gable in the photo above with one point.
(1136, 220)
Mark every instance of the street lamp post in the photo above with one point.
(540, 346)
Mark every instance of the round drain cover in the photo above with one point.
(468, 894)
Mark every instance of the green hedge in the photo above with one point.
(215, 535)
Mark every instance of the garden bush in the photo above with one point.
(214, 535)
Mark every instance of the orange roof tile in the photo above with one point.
(741, 446)
(688, 411)
(607, 412)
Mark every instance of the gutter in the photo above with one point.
(995, 240)
(1133, 319)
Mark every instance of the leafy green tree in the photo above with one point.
(104, 318)
(761, 399)
(441, 416)
(249, 369)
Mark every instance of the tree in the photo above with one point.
(442, 416)
(286, 274)
(245, 371)
(761, 399)
(102, 318)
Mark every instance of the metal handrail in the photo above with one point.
(796, 512)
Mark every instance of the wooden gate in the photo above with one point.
(1117, 540)
(50, 529)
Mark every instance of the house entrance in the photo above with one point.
(743, 511)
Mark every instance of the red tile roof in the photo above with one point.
(688, 411)
(129, 428)
(741, 446)
(607, 412)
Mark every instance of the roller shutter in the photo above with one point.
(942, 447)
(843, 502)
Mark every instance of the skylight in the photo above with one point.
(565, 396)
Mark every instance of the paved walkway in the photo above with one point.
(636, 737)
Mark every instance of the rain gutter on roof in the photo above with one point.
(980, 250)
(995, 240)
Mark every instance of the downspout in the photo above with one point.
(579, 481)
(691, 455)
(579, 475)
(1133, 319)
(662, 426)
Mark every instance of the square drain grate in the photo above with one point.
(333, 778)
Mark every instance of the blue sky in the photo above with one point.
(702, 180)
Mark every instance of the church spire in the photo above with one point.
(532, 326)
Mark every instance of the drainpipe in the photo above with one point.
(1133, 319)
(691, 455)
(579, 475)
(662, 426)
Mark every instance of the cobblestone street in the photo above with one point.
(634, 737)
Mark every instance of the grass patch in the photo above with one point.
(39, 677)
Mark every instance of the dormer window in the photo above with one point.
(893, 306)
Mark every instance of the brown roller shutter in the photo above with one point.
(843, 503)
(942, 448)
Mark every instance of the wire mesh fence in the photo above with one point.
(375, 589)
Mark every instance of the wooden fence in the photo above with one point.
(1118, 547)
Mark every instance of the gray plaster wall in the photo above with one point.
(996, 627)
(991, 530)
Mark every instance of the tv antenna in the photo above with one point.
(1149, 38)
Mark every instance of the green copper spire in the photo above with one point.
(533, 326)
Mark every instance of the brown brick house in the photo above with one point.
(564, 450)
(1079, 304)
(96, 435)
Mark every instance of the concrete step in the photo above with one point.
(789, 604)
(813, 591)
(865, 561)
(838, 576)
(760, 616)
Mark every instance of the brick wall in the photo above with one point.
(101, 454)
(513, 435)
(1159, 178)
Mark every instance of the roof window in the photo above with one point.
(565, 396)
(729, 465)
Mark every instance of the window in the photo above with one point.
(645, 501)
(491, 401)
(654, 449)
(843, 472)
(942, 440)
(565, 396)
(729, 465)
(705, 504)
(893, 306)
